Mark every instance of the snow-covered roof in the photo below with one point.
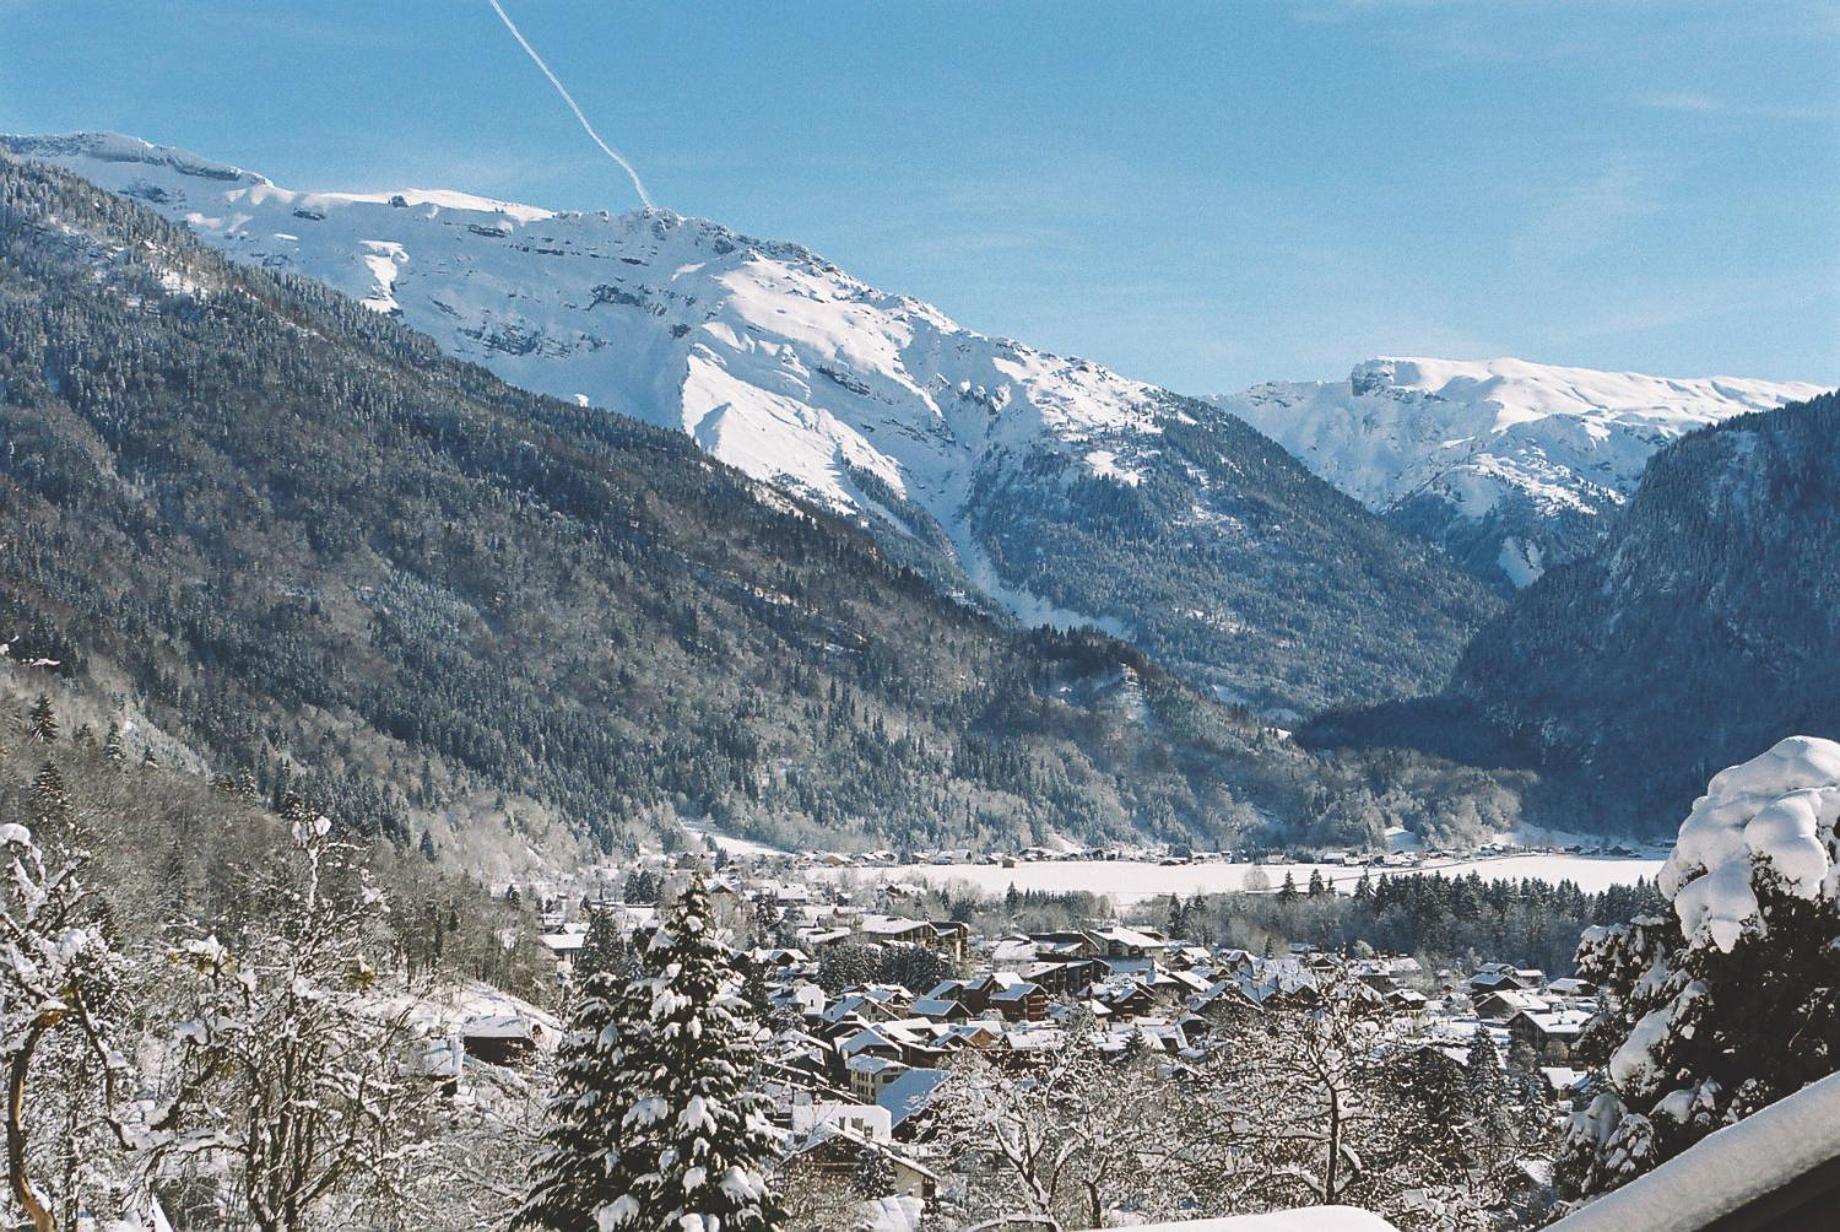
(909, 1094)
(1726, 1171)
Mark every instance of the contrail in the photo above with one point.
(638, 187)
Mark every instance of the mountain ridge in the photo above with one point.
(1508, 465)
(1700, 628)
(306, 543)
(1044, 487)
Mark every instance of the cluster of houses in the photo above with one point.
(851, 1070)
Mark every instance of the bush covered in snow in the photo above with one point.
(1736, 1002)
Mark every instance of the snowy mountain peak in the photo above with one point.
(774, 358)
(1507, 464)
(1044, 485)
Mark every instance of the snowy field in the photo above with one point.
(1132, 881)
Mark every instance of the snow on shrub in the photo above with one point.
(1733, 1004)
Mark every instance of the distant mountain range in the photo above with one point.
(1702, 629)
(1510, 467)
(1045, 487)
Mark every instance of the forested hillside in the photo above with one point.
(1042, 486)
(1703, 629)
(315, 548)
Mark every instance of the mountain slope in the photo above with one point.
(1511, 467)
(1049, 487)
(299, 536)
(1703, 628)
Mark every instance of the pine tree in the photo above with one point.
(112, 747)
(1287, 893)
(50, 804)
(1483, 1069)
(1318, 887)
(604, 950)
(874, 1177)
(41, 723)
(696, 1146)
(1439, 1089)
(1491, 1129)
(573, 1178)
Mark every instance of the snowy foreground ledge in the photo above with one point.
(1753, 1174)
(1304, 1219)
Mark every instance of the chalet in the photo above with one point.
(816, 939)
(837, 1148)
(869, 1074)
(1552, 1034)
(940, 1009)
(501, 1039)
(802, 997)
(976, 1034)
(1124, 997)
(1497, 977)
(1405, 1001)
(1022, 1001)
(1011, 953)
(907, 1096)
(981, 993)
(779, 959)
(565, 946)
(1027, 1045)
(869, 1041)
(1064, 979)
(1505, 1003)
(1118, 943)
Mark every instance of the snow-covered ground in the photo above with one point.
(1128, 881)
(1520, 442)
(733, 845)
(1303, 1219)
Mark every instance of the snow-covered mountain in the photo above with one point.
(1506, 464)
(1044, 485)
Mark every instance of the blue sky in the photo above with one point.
(1201, 194)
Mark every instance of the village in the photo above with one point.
(868, 1006)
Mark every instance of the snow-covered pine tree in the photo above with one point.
(1735, 1004)
(874, 1176)
(50, 802)
(1438, 1089)
(41, 722)
(689, 1113)
(1482, 1070)
(574, 1176)
(604, 951)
